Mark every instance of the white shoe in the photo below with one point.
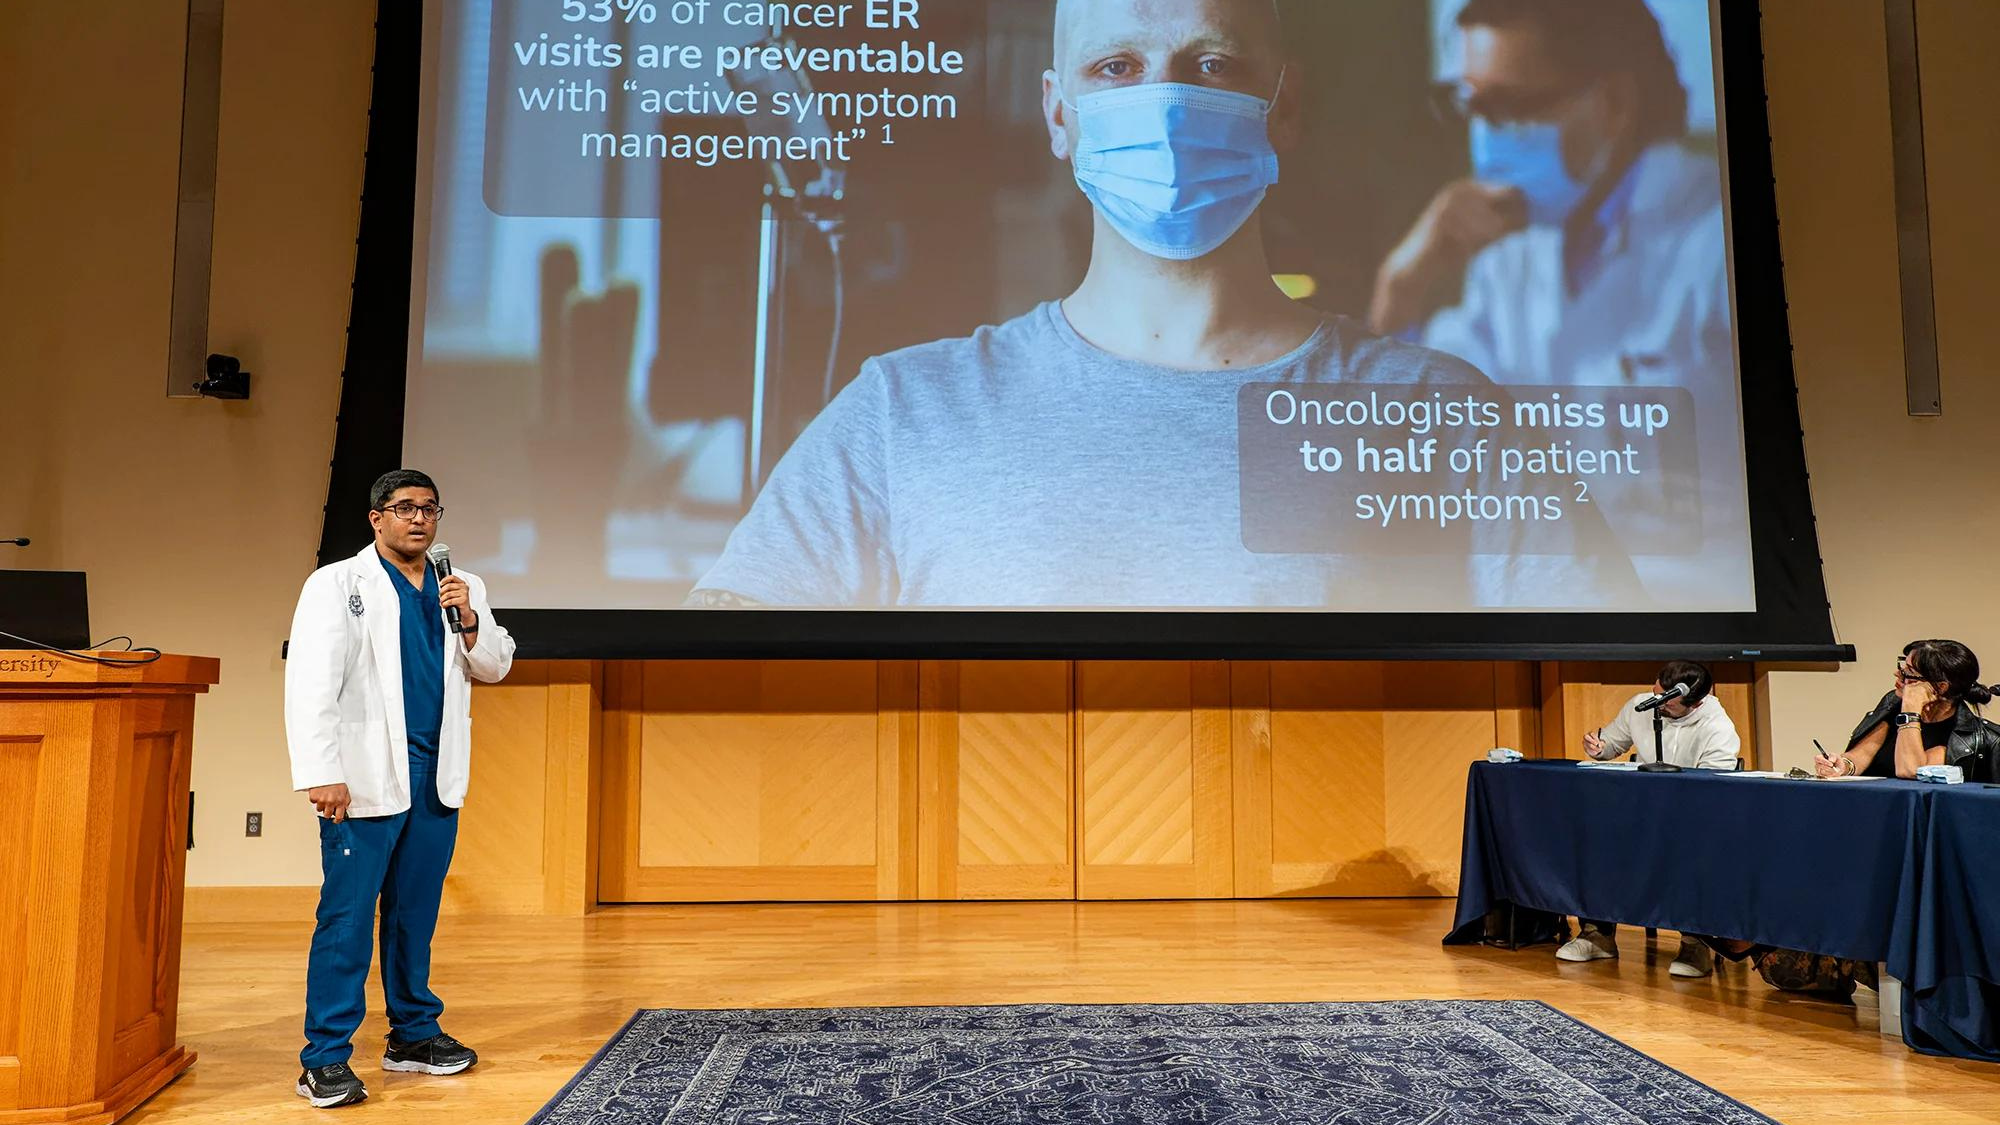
(1695, 959)
(1590, 945)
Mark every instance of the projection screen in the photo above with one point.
(1118, 308)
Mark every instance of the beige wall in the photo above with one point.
(197, 519)
(1903, 504)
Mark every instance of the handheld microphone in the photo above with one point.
(440, 556)
(1675, 692)
(18, 541)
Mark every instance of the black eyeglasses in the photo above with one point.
(408, 512)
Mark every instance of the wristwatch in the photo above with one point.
(1907, 719)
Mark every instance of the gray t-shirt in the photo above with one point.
(1023, 467)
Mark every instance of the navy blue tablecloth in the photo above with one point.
(1890, 871)
(1946, 949)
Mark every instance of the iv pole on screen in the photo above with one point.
(815, 191)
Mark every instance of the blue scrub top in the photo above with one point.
(421, 625)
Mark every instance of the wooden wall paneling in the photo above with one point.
(1352, 780)
(1005, 779)
(997, 818)
(1215, 838)
(1517, 712)
(766, 780)
(1250, 775)
(1556, 740)
(898, 739)
(574, 767)
(1438, 719)
(1326, 785)
(1016, 780)
(1153, 778)
(1736, 690)
(498, 865)
(1593, 693)
(618, 793)
(937, 780)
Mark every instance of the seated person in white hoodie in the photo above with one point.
(1698, 734)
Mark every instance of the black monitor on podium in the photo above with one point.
(49, 608)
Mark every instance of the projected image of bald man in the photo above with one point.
(1085, 453)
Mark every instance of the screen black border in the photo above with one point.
(1793, 621)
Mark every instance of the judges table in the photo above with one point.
(1892, 871)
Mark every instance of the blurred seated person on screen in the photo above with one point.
(1928, 718)
(1588, 246)
(1697, 734)
(1085, 453)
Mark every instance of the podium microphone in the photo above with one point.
(18, 541)
(440, 556)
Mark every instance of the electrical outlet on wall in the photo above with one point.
(253, 824)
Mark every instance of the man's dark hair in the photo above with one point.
(387, 485)
(1695, 676)
(1598, 37)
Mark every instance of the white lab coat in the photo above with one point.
(1703, 739)
(1657, 313)
(344, 688)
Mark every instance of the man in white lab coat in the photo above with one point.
(1697, 734)
(378, 699)
(1589, 248)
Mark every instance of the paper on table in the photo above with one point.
(1609, 765)
(1749, 773)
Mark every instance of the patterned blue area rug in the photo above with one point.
(1402, 1063)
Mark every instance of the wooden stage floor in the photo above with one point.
(538, 996)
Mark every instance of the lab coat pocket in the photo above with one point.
(364, 757)
(358, 739)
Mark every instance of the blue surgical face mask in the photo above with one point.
(1528, 156)
(1176, 169)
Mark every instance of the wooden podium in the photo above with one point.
(94, 769)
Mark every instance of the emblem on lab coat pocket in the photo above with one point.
(354, 604)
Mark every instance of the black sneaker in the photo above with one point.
(440, 1054)
(329, 1086)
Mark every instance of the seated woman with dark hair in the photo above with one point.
(1927, 719)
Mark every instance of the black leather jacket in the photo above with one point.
(1974, 744)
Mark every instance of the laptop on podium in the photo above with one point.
(49, 608)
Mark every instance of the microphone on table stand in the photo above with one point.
(18, 541)
(1659, 764)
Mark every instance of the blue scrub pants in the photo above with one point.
(401, 860)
